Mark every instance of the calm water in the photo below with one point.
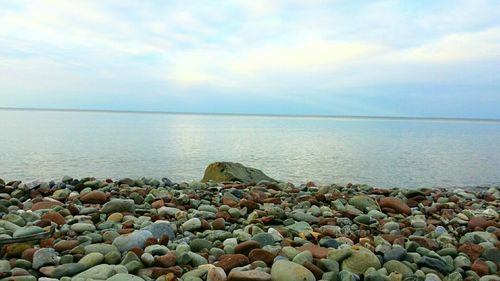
(403, 153)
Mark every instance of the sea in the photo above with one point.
(382, 152)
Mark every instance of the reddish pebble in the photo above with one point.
(54, 217)
(480, 267)
(474, 251)
(228, 262)
(94, 197)
(396, 204)
(261, 255)
(316, 251)
(28, 254)
(219, 224)
(244, 248)
(66, 245)
(167, 260)
(158, 204)
(45, 205)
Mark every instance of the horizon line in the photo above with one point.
(326, 116)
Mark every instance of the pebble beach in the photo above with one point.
(152, 229)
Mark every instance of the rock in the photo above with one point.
(54, 217)
(363, 202)
(45, 205)
(397, 266)
(480, 267)
(284, 270)
(4, 266)
(43, 257)
(230, 172)
(115, 217)
(94, 197)
(192, 224)
(492, 254)
(82, 227)
(68, 269)
(316, 251)
(249, 275)
(395, 253)
(100, 272)
(261, 255)
(219, 224)
(160, 228)
(136, 239)
(124, 277)
(245, 247)
(119, 206)
(198, 245)
(474, 251)
(228, 262)
(26, 231)
(395, 204)
(216, 274)
(167, 260)
(264, 239)
(101, 248)
(65, 245)
(91, 259)
(435, 263)
(360, 260)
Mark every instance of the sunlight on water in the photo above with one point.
(404, 153)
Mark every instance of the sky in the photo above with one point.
(370, 58)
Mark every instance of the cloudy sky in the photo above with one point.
(392, 58)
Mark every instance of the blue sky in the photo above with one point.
(391, 58)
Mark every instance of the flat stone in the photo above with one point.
(135, 239)
(160, 228)
(249, 275)
(68, 269)
(91, 259)
(284, 270)
(43, 257)
(191, 224)
(124, 277)
(119, 206)
(82, 227)
(27, 230)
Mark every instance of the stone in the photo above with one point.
(124, 277)
(160, 228)
(474, 251)
(395, 204)
(119, 206)
(101, 248)
(82, 227)
(94, 197)
(54, 217)
(216, 274)
(4, 266)
(395, 253)
(191, 224)
(264, 239)
(261, 255)
(219, 224)
(43, 257)
(249, 275)
(65, 245)
(68, 269)
(480, 267)
(26, 231)
(492, 254)
(397, 266)
(435, 263)
(45, 205)
(363, 202)
(316, 251)
(135, 239)
(284, 270)
(230, 261)
(115, 217)
(360, 260)
(198, 244)
(230, 172)
(247, 246)
(91, 259)
(167, 260)
(100, 272)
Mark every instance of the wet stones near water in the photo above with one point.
(144, 229)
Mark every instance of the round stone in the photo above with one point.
(284, 270)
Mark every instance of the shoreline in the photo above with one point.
(147, 229)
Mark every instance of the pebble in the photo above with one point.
(283, 270)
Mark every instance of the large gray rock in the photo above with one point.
(118, 206)
(132, 240)
(229, 172)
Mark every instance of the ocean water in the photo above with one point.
(381, 152)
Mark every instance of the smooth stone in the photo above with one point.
(119, 206)
(300, 216)
(115, 217)
(284, 270)
(160, 228)
(82, 227)
(360, 260)
(396, 253)
(340, 254)
(191, 224)
(113, 257)
(249, 275)
(43, 257)
(363, 202)
(199, 244)
(492, 254)
(216, 274)
(68, 269)
(27, 230)
(147, 259)
(302, 257)
(397, 266)
(135, 239)
(264, 239)
(101, 248)
(100, 272)
(92, 259)
(4, 266)
(124, 277)
(435, 263)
